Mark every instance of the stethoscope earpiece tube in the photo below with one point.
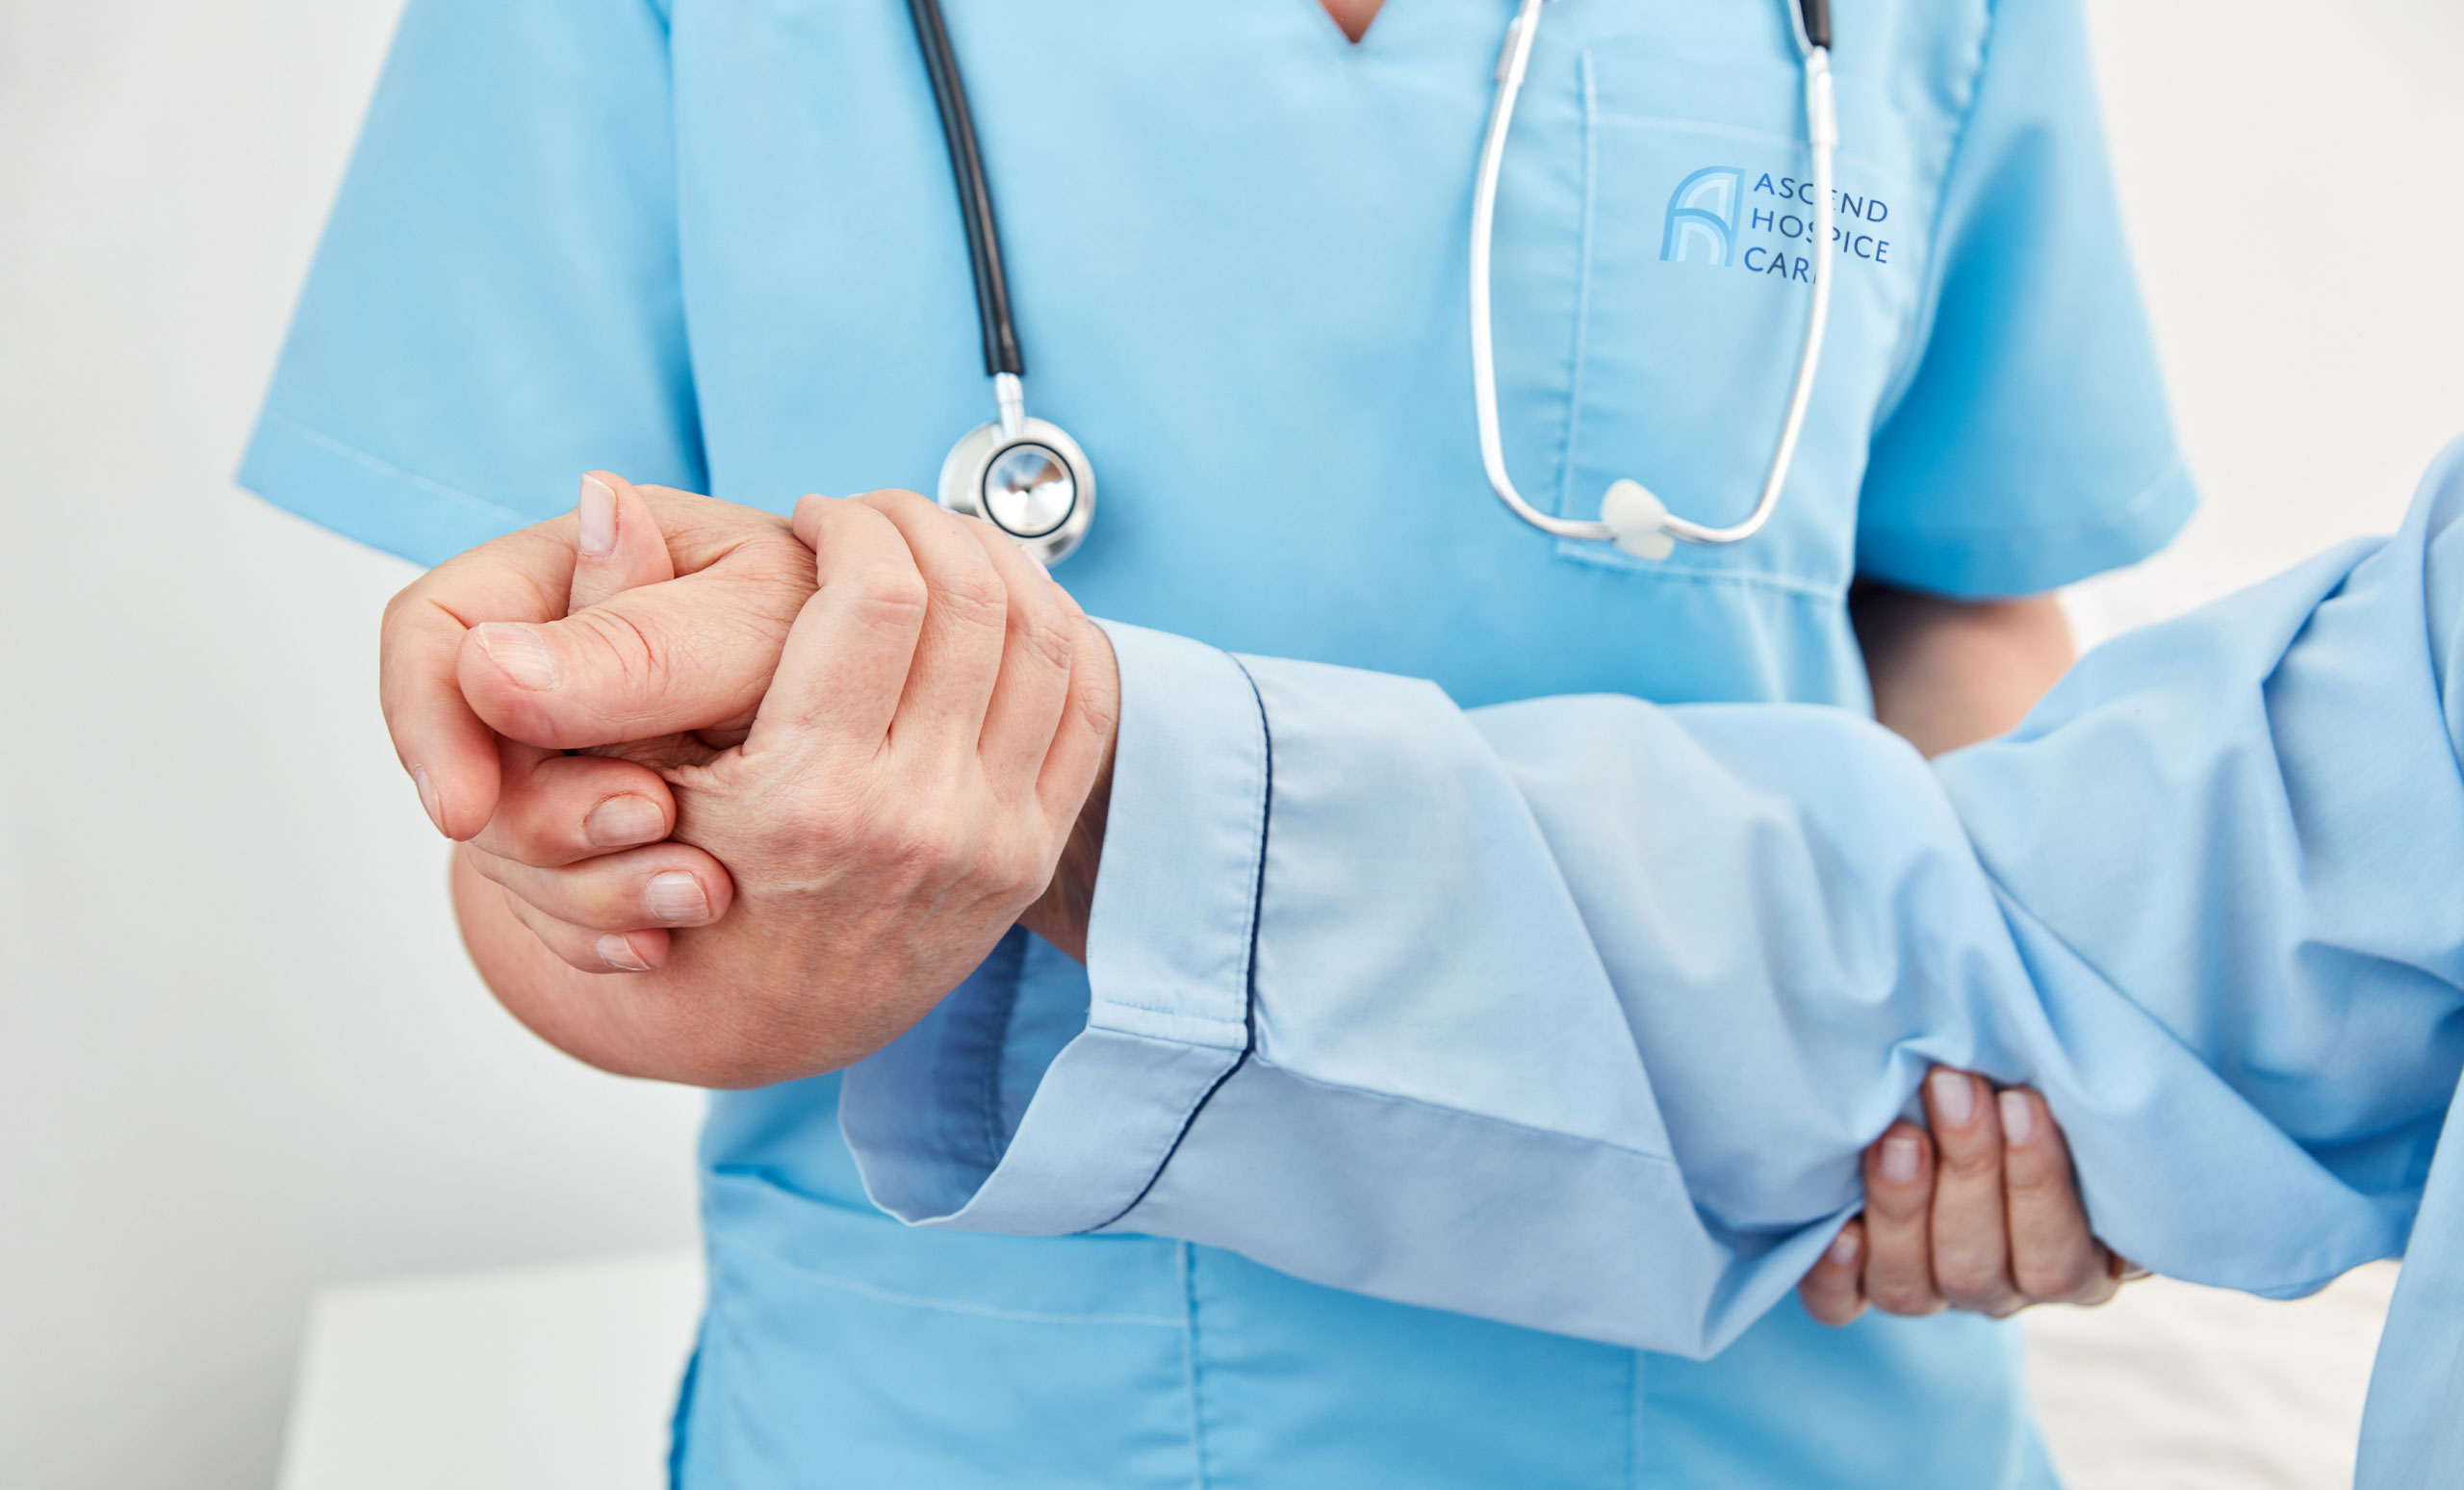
(1001, 352)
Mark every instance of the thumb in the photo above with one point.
(695, 652)
(619, 545)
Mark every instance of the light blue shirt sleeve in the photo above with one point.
(496, 307)
(1578, 1013)
(2029, 446)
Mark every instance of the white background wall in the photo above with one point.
(240, 1053)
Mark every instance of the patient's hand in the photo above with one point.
(939, 717)
(1982, 1215)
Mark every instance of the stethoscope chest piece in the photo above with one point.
(1026, 477)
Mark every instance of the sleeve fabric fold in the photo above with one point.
(1576, 1013)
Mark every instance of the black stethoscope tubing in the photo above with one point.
(1001, 353)
(981, 462)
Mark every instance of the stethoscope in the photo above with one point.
(1032, 481)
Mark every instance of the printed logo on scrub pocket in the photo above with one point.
(1715, 217)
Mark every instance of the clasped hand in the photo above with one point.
(740, 797)
(833, 759)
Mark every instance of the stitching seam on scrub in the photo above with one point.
(392, 471)
(1582, 295)
(846, 1285)
(2175, 470)
(1929, 301)
(1602, 556)
(1891, 175)
(1177, 1014)
(1249, 970)
(1189, 1350)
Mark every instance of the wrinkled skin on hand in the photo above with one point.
(939, 717)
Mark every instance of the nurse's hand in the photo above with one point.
(940, 715)
(1982, 1215)
(709, 590)
(678, 612)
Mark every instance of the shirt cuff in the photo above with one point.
(1169, 945)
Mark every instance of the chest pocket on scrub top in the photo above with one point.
(1655, 246)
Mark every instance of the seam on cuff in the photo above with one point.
(1467, 1114)
(992, 1099)
(1249, 965)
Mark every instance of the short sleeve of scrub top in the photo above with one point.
(496, 307)
(2029, 447)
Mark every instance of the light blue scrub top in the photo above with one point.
(716, 244)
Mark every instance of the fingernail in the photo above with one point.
(428, 802)
(617, 952)
(1843, 1248)
(2018, 1115)
(1899, 1160)
(620, 822)
(518, 650)
(676, 896)
(598, 513)
(1954, 1098)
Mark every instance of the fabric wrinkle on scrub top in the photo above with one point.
(716, 245)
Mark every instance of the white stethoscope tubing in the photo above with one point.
(1822, 134)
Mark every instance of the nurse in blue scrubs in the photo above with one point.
(715, 245)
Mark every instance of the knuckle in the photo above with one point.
(1097, 710)
(1828, 1299)
(526, 838)
(1976, 1163)
(400, 601)
(1903, 1201)
(2022, 1177)
(620, 640)
(1039, 628)
(1969, 1281)
(889, 595)
(2072, 1274)
(972, 595)
(1903, 1297)
(1022, 869)
(821, 818)
(932, 848)
(488, 865)
(1993, 1303)
(781, 572)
